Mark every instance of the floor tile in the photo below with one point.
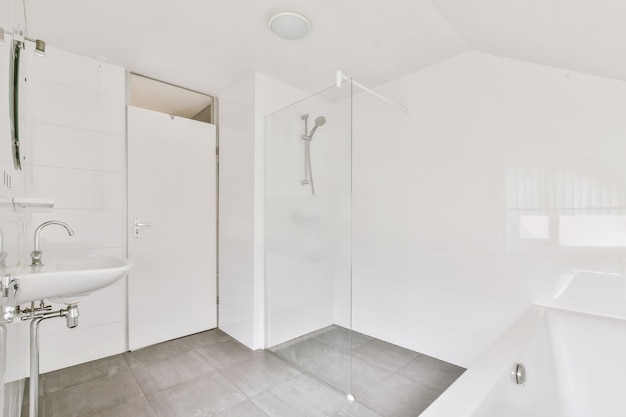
(139, 407)
(302, 396)
(354, 409)
(157, 352)
(342, 339)
(210, 374)
(261, 373)
(433, 373)
(76, 375)
(309, 354)
(243, 409)
(384, 355)
(351, 375)
(92, 397)
(223, 354)
(398, 396)
(366, 375)
(336, 373)
(199, 397)
(153, 376)
(197, 340)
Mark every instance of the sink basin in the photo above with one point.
(67, 280)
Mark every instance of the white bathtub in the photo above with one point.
(575, 363)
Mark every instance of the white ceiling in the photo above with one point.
(581, 35)
(206, 45)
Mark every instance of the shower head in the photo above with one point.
(320, 121)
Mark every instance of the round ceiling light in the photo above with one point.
(289, 25)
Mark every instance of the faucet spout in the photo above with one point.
(36, 253)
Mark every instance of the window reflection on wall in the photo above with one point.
(534, 227)
(574, 230)
(567, 205)
(592, 230)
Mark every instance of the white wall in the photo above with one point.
(237, 211)
(73, 130)
(504, 176)
(242, 111)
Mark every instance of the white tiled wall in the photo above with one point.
(236, 211)
(73, 130)
(504, 176)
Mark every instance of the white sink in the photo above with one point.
(67, 280)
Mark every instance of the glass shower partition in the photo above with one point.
(307, 217)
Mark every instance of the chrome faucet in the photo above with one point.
(36, 253)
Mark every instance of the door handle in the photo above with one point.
(138, 226)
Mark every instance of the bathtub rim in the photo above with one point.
(468, 392)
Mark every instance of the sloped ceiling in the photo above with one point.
(206, 45)
(581, 35)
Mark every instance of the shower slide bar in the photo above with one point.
(340, 78)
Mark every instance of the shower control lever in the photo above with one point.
(138, 226)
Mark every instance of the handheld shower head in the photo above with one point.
(320, 121)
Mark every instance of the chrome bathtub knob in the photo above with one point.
(518, 374)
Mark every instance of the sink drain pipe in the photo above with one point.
(71, 315)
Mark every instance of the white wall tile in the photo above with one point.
(75, 71)
(315, 316)
(237, 162)
(237, 194)
(236, 261)
(67, 147)
(105, 306)
(468, 313)
(237, 325)
(472, 272)
(463, 230)
(70, 107)
(237, 295)
(237, 227)
(81, 345)
(236, 134)
(280, 161)
(294, 292)
(237, 212)
(79, 189)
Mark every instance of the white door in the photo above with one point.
(172, 195)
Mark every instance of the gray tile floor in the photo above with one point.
(210, 374)
(385, 378)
